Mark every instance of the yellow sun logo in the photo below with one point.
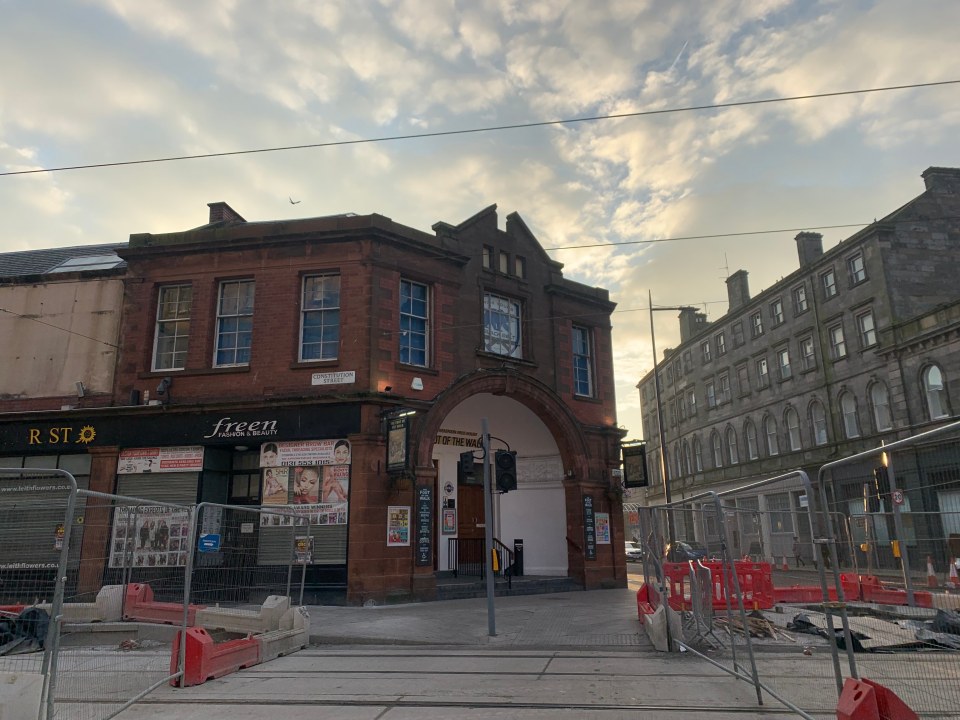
(87, 434)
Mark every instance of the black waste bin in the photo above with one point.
(517, 557)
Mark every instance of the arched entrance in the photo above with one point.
(551, 453)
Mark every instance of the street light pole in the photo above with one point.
(661, 430)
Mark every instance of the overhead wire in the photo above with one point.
(486, 129)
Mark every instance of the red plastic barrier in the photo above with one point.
(756, 584)
(12, 609)
(813, 593)
(873, 590)
(140, 605)
(858, 701)
(205, 659)
(889, 704)
(643, 603)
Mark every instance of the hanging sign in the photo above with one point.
(589, 529)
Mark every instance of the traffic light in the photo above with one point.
(467, 470)
(505, 462)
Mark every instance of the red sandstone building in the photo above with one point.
(273, 355)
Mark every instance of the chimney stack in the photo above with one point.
(691, 323)
(809, 247)
(940, 180)
(738, 290)
(221, 212)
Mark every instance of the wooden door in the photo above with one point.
(470, 511)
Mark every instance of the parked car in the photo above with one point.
(634, 551)
(684, 550)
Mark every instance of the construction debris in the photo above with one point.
(757, 626)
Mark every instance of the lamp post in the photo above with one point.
(661, 431)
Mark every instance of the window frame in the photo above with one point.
(808, 361)
(771, 436)
(487, 257)
(849, 414)
(838, 348)
(322, 310)
(724, 394)
(175, 319)
(711, 392)
(750, 435)
(503, 262)
(705, 351)
(587, 338)
(791, 418)
(721, 341)
(743, 379)
(818, 421)
(756, 324)
(763, 378)
(520, 266)
(697, 454)
(489, 341)
(776, 312)
(784, 369)
(800, 302)
(733, 450)
(830, 289)
(884, 391)
(240, 314)
(942, 400)
(738, 336)
(857, 271)
(423, 329)
(867, 336)
(716, 443)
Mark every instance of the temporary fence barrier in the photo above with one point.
(903, 504)
(103, 588)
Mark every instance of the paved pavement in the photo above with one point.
(562, 656)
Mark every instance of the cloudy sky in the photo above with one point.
(101, 81)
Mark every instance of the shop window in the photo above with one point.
(320, 318)
(501, 326)
(172, 338)
(234, 323)
(414, 323)
(781, 518)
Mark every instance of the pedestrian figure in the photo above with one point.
(796, 552)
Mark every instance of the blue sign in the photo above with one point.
(209, 543)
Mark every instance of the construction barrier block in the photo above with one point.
(293, 634)
(802, 594)
(858, 701)
(874, 591)
(106, 608)
(141, 606)
(889, 704)
(12, 609)
(205, 659)
(643, 603)
(266, 619)
(755, 579)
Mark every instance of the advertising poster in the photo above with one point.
(397, 445)
(449, 526)
(304, 549)
(134, 461)
(276, 486)
(305, 453)
(306, 485)
(603, 528)
(398, 525)
(318, 514)
(335, 484)
(150, 536)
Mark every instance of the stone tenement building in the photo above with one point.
(860, 344)
(334, 366)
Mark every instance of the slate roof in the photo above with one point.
(41, 262)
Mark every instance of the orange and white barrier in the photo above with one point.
(931, 573)
(954, 580)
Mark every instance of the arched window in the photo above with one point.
(732, 451)
(934, 389)
(687, 464)
(848, 407)
(697, 455)
(750, 433)
(717, 449)
(676, 460)
(818, 421)
(770, 430)
(880, 399)
(793, 428)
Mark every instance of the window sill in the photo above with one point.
(312, 364)
(592, 399)
(419, 369)
(192, 373)
(505, 358)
